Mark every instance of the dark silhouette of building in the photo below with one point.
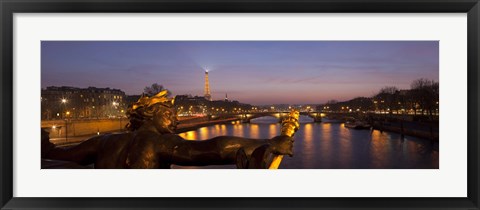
(191, 105)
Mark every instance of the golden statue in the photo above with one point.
(290, 125)
(151, 142)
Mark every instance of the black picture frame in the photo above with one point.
(9, 7)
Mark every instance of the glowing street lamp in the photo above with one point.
(64, 102)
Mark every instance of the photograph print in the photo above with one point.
(240, 105)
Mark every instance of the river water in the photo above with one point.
(332, 146)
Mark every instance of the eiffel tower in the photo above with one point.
(207, 87)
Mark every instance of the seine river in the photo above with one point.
(332, 146)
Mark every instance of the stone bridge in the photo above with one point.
(316, 116)
(246, 117)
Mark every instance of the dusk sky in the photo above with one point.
(255, 72)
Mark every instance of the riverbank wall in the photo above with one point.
(415, 129)
(81, 131)
(85, 127)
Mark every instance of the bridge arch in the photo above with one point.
(246, 117)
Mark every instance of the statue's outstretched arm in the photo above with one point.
(271, 154)
(83, 154)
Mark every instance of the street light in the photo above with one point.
(64, 102)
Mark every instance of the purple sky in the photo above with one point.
(255, 72)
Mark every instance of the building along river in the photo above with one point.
(333, 146)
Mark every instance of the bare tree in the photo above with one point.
(387, 98)
(154, 89)
(332, 105)
(425, 94)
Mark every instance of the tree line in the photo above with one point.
(422, 98)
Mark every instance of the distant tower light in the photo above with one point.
(207, 87)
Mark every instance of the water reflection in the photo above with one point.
(345, 147)
(203, 133)
(331, 145)
(272, 131)
(238, 130)
(378, 149)
(308, 147)
(190, 135)
(254, 131)
(325, 152)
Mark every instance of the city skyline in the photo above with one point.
(254, 72)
